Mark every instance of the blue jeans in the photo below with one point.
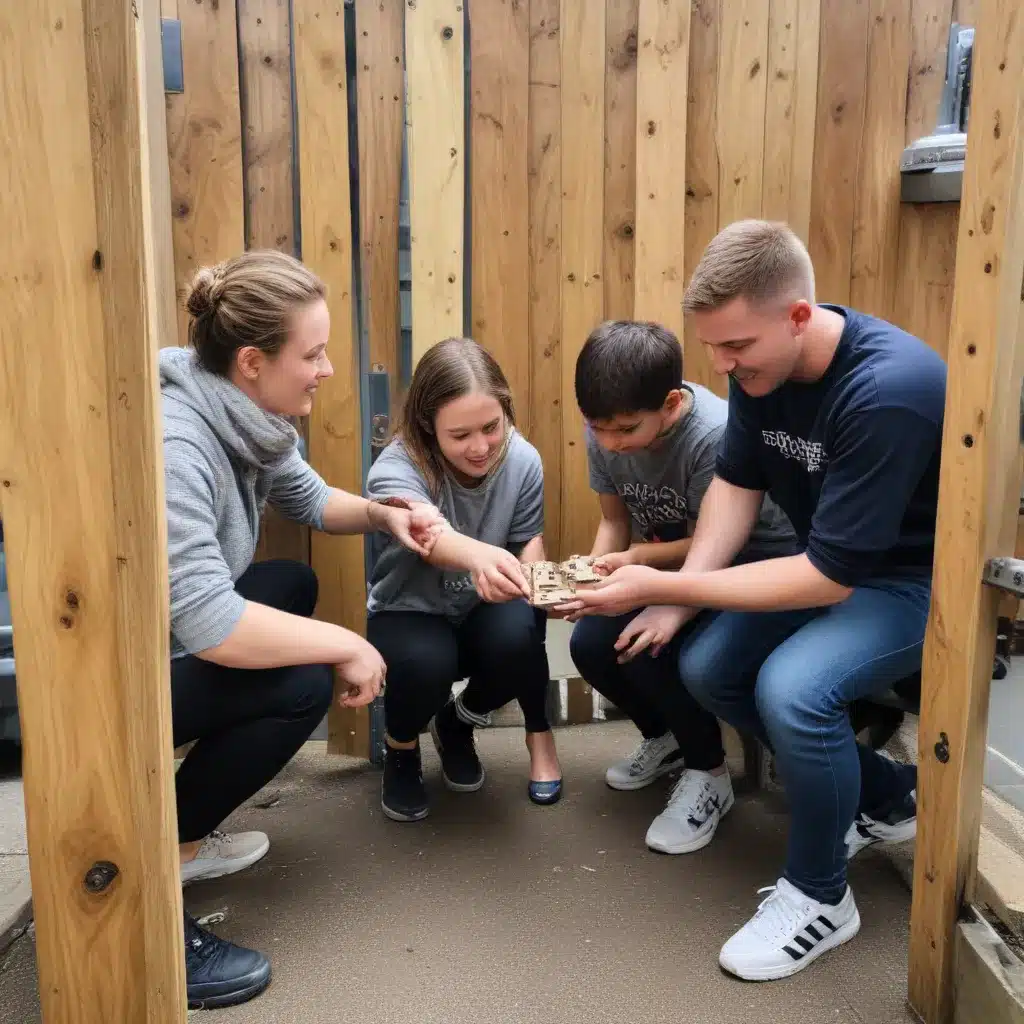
(788, 677)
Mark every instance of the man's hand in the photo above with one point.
(632, 586)
(650, 631)
(362, 672)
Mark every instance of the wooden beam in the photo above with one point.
(662, 72)
(84, 518)
(204, 140)
(436, 129)
(500, 215)
(582, 27)
(978, 498)
(545, 198)
(335, 426)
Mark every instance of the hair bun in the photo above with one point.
(207, 288)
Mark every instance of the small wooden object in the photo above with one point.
(553, 583)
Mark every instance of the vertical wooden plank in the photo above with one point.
(620, 157)
(967, 12)
(435, 126)
(838, 137)
(876, 226)
(929, 28)
(545, 156)
(84, 508)
(702, 168)
(663, 53)
(204, 143)
(790, 109)
(742, 93)
(979, 491)
(264, 33)
(335, 434)
(379, 87)
(500, 214)
(582, 54)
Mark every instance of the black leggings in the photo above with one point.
(499, 646)
(248, 722)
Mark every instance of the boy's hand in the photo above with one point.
(650, 631)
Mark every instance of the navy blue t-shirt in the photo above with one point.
(852, 458)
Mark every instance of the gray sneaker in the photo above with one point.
(652, 759)
(223, 854)
(697, 804)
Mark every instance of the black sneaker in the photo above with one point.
(460, 767)
(402, 793)
(219, 973)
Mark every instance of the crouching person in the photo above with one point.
(252, 673)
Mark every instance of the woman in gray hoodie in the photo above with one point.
(252, 673)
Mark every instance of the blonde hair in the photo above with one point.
(247, 300)
(760, 260)
(446, 371)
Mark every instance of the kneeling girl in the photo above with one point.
(460, 612)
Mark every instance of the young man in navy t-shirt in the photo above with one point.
(837, 416)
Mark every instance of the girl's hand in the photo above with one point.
(605, 565)
(415, 525)
(498, 575)
(630, 587)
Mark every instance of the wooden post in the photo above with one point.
(81, 467)
(335, 426)
(978, 499)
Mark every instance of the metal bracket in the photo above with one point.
(1006, 574)
(174, 67)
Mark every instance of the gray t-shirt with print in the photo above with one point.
(506, 509)
(663, 487)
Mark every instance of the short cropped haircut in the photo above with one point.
(627, 366)
(759, 260)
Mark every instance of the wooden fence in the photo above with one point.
(574, 174)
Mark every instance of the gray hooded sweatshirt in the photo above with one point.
(224, 459)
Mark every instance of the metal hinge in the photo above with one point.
(1006, 574)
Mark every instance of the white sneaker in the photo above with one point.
(788, 932)
(652, 759)
(697, 803)
(223, 854)
(898, 827)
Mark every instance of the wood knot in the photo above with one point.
(652, 128)
(71, 598)
(447, 32)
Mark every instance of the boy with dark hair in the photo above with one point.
(652, 440)
(838, 416)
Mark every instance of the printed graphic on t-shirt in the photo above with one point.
(810, 453)
(658, 511)
(458, 584)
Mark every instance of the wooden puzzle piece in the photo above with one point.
(554, 583)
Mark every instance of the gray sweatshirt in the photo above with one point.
(224, 459)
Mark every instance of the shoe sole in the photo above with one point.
(455, 787)
(838, 938)
(243, 995)
(401, 815)
(227, 867)
(696, 844)
(646, 780)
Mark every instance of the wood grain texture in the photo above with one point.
(742, 94)
(335, 427)
(582, 293)
(702, 169)
(790, 108)
(842, 84)
(979, 492)
(435, 125)
(545, 176)
(500, 214)
(204, 141)
(663, 50)
(621, 18)
(876, 226)
(929, 28)
(379, 87)
(84, 513)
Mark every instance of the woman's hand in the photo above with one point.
(605, 565)
(415, 525)
(362, 672)
(498, 575)
(651, 630)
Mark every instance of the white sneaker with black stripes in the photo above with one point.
(789, 931)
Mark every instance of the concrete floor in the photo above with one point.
(494, 910)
